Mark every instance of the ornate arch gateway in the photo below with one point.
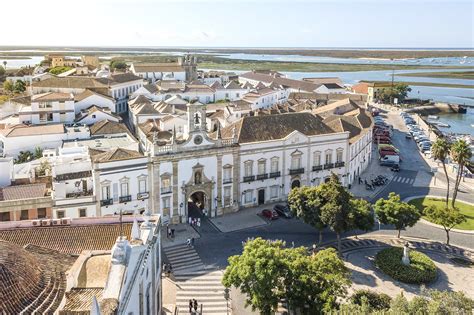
(199, 184)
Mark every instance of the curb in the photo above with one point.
(469, 232)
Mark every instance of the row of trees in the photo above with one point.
(399, 91)
(460, 153)
(17, 87)
(26, 156)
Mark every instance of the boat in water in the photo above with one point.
(441, 124)
(433, 117)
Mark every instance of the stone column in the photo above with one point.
(175, 210)
(219, 185)
(236, 179)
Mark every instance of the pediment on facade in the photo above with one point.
(296, 137)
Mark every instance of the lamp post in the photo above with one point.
(227, 297)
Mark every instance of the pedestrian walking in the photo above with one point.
(188, 242)
(199, 222)
(195, 305)
(190, 306)
(192, 241)
(172, 233)
(168, 232)
(190, 220)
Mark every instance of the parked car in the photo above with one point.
(283, 211)
(270, 214)
(408, 136)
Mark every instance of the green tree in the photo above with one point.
(305, 204)
(362, 217)
(398, 91)
(268, 271)
(20, 86)
(2, 70)
(394, 211)
(118, 64)
(338, 208)
(440, 151)
(447, 218)
(8, 86)
(38, 153)
(461, 153)
(258, 273)
(23, 157)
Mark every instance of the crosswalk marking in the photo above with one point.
(403, 180)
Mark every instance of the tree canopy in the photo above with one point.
(399, 91)
(118, 64)
(267, 272)
(396, 212)
(447, 218)
(59, 70)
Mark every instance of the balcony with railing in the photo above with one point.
(339, 164)
(166, 190)
(262, 176)
(123, 199)
(227, 180)
(317, 168)
(248, 179)
(106, 202)
(295, 171)
(275, 174)
(143, 195)
(328, 166)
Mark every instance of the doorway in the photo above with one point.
(296, 183)
(197, 202)
(261, 196)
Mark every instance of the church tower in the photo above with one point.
(189, 63)
(196, 117)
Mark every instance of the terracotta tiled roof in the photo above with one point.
(107, 127)
(27, 130)
(294, 84)
(324, 80)
(81, 96)
(32, 279)
(71, 239)
(52, 96)
(117, 154)
(273, 127)
(80, 299)
(19, 192)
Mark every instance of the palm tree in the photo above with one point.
(461, 154)
(440, 151)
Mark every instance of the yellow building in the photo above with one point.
(91, 61)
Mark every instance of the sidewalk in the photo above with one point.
(181, 233)
(371, 172)
(242, 219)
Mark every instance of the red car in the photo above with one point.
(270, 214)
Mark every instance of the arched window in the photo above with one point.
(197, 178)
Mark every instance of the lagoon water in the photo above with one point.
(460, 123)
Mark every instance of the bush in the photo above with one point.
(59, 70)
(421, 269)
(376, 301)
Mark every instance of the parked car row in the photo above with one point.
(382, 133)
(416, 133)
(277, 211)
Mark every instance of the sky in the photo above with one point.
(239, 23)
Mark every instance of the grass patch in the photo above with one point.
(469, 75)
(466, 209)
(420, 270)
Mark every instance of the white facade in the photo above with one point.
(95, 99)
(360, 155)
(51, 112)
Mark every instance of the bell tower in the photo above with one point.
(196, 117)
(189, 63)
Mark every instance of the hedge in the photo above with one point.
(421, 269)
(377, 301)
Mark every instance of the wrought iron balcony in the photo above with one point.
(317, 167)
(275, 174)
(106, 202)
(340, 164)
(328, 166)
(227, 180)
(123, 199)
(248, 179)
(165, 190)
(295, 171)
(262, 176)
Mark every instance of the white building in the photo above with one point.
(48, 108)
(265, 97)
(117, 86)
(26, 137)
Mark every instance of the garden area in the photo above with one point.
(466, 209)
